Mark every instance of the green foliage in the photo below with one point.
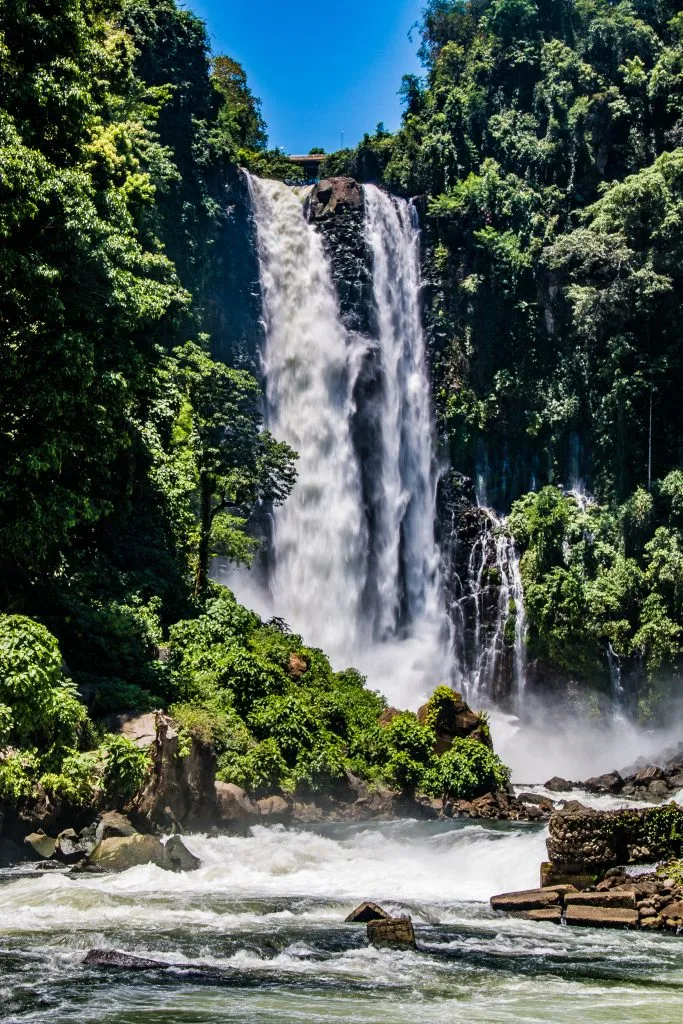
(77, 781)
(469, 769)
(592, 578)
(43, 708)
(234, 463)
(546, 139)
(17, 774)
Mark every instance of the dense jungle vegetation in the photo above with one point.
(129, 455)
(546, 138)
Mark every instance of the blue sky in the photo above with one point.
(320, 68)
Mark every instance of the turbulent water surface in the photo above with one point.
(266, 913)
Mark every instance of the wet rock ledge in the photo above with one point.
(613, 869)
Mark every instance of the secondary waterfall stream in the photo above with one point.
(354, 565)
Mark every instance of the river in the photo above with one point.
(268, 909)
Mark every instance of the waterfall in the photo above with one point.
(354, 564)
(319, 535)
(490, 617)
(407, 558)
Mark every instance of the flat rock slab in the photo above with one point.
(551, 914)
(366, 912)
(529, 899)
(612, 898)
(396, 933)
(601, 917)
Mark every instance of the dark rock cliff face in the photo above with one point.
(231, 292)
(336, 208)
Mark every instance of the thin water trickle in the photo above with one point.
(491, 659)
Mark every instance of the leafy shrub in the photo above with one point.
(467, 770)
(262, 770)
(410, 747)
(6, 724)
(78, 779)
(17, 774)
(125, 767)
(318, 769)
(45, 709)
(213, 725)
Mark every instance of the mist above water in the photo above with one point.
(570, 743)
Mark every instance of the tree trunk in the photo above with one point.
(205, 520)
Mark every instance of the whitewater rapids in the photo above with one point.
(269, 909)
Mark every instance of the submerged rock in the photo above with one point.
(394, 933)
(124, 961)
(366, 912)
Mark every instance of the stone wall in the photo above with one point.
(584, 841)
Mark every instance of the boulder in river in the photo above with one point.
(274, 809)
(124, 852)
(70, 849)
(179, 857)
(366, 912)
(394, 933)
(41, 845)
(528, 899)
(611, 782)
(558, 785)
(233, 805)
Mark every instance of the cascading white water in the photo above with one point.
(407, 556)
(356, 574)
(320, 542)
(492, 618)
